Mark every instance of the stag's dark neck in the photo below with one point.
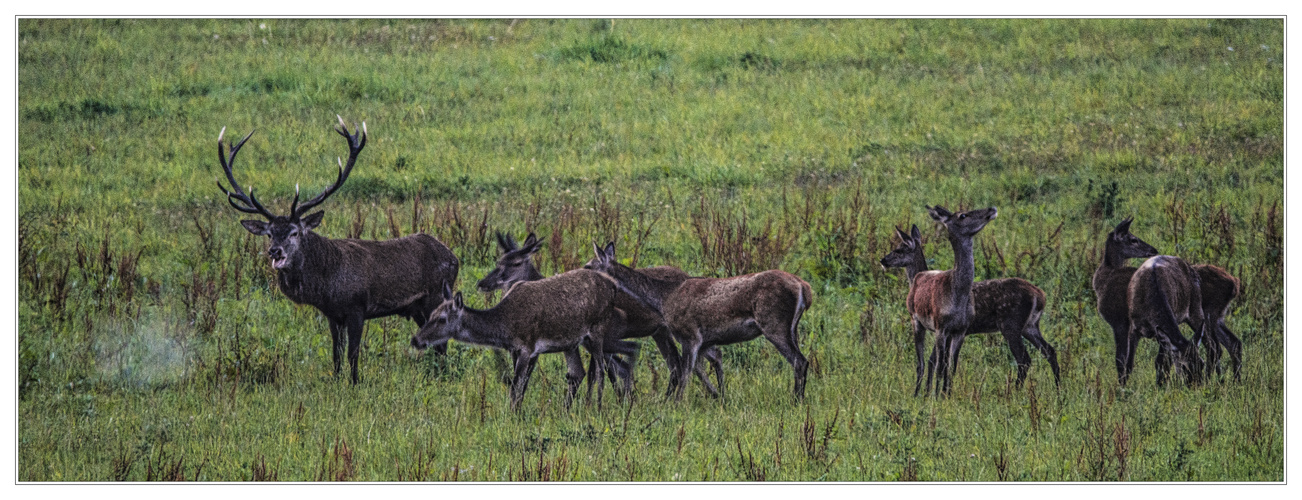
(308, 283)
(1112, 258)
(964, 267)
(486, 327)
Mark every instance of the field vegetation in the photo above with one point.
(154, 345)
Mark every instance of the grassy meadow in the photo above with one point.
(154, 345)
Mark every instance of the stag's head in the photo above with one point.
(907, 252)
(1128, 246)
(963, 224)
(443, 323)
(285, 231)
(515, 264)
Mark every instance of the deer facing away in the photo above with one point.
(348, 280)
(706, 312)
(556, 314)
(1010, 306)
(1164, 292)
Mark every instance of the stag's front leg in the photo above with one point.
(336, 342)
(354, 343)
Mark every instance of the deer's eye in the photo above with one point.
(962, 216)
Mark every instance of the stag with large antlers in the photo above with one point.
(348, 280)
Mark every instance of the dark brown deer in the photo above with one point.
(515, 265)
(1010, 306)
(1112, 283)
(941, 301)
(1164, 292)
(1219, 288)
(707, 312)
(556, 314)
(348, 280)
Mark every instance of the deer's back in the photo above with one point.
(559, 307)
(1163, 278)
(1005, 299)
(1219, 288)
(1111, 289)
(639, 315)
(721, 303)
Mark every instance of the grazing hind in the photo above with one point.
(706, 312)
(1011, 306)
(1164, 292)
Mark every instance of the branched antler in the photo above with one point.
(356, 142)
(247, 202)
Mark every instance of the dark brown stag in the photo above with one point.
(1011, 306)
(556, 314)
(1164, 292)
(707, 312)
(348, 280)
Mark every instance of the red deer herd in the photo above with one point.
(602, 305)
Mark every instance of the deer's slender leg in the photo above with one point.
(714, 356)
(1127, 355)
(1232, 344)
(664, 340)
(919, 348)
(1013, 337)
(799, 364)
(1037, 339)
(337, 343)
(524, 363)
(1162, 365)
(573, 375)
(1121, 337)
(354, 343)
(691, 348)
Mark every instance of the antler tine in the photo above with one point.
(355, 144)
(250, 204)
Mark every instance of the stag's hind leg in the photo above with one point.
(354, 343)
(337, 342)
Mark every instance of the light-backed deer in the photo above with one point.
(1219, 288)
(556, 314)
(515, 265)
(706, 312)
(941, 301)
(348, 280)
(1164, 292)
(1010, 306)
(1112, 282)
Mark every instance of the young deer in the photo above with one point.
(348, 280)
(1219, 288)
(516, 266)
(707, 312)
(1011, 306)
(1164, 292)
(941, 301)
(1111, 283)
(556, 314)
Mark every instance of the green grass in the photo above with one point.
(153, 343)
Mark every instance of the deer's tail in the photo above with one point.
(804, 297)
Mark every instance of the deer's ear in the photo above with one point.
(531, 240)
(456, 301)
(596, 249)
(312, 220)
(447, 291)
(1124, 226)
(504, 243)
(904, 238)
(532, 244)
(610, 251)
(939, 213)
(917, 235)
(255, 226)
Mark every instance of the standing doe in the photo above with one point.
(348, 280)
(941, 301)
(1219, 288)
(708, 312)
(1011, 306)
(556, 314)
(1111, 285)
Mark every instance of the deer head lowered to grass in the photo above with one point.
(1011, 306)
(348, 280)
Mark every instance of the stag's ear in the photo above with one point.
(312, 220)
(456, 301)
(939, 213)
(917, 235)
(255, 226)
